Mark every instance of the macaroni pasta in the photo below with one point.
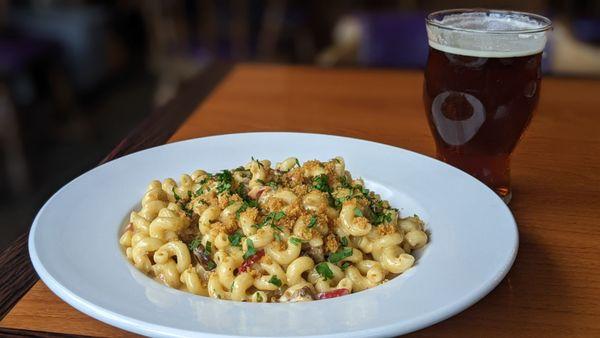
(261, 234)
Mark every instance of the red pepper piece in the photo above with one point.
(333, 293)
(251, 260)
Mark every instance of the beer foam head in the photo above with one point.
(487, 33)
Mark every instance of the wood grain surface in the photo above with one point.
(554, 287)
(16, 273)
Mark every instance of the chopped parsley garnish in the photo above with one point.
(362, 189)
(344, 182)
(357, 212)
(231, 287)
(277, 236)
(259, 297)
(257, 161)
(338, 202)
(199, 192)
(208, 248)
(295, 240)
(241, 192)
(324, 270)
(376, 207)
(383, 217)
(312, 222)
(211, 265)
(345, 266)
(223, 187)
(177, 198)
(260, 181)
(236, 238)
(195, 243)
(321, 183)
(344, 241)
(271, 218)
(224, 181)
(272, 185)
(241, 209)
(340, 254)
(275, 281)
(298, 163)
(251, 250)
(189, 213)
(279, 215)
(332, 201)
(247, 200)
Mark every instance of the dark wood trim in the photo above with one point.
(17, 275)
(18, 333)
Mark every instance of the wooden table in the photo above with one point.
(553, 288)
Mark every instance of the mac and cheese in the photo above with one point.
(260, 234)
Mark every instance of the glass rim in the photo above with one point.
(546, 23)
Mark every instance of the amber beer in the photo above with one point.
(480, 92)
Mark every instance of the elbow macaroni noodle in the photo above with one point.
(260, 234)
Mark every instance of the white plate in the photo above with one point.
(74, 243)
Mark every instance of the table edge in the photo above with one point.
(8, 332)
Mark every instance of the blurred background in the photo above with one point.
(77, 76)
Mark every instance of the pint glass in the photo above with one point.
(482, 84)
